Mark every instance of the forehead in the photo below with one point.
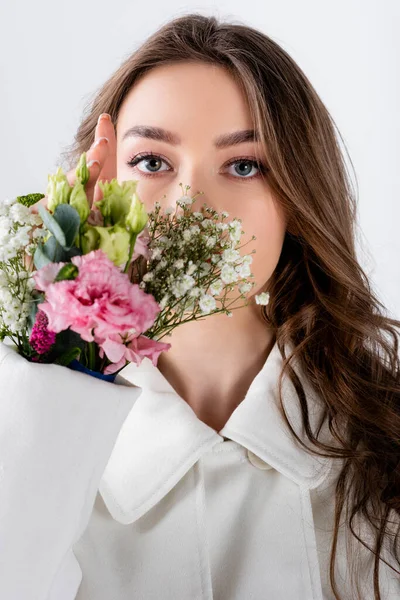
(186, 97)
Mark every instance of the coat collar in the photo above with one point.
(162, 437)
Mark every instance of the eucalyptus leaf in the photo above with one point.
(68, 219)
(52, 225)
(40, 257)
(54, 251)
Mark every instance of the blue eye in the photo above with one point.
(155, 160)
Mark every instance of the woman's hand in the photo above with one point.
(104, 153)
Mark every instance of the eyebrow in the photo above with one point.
(162, 135)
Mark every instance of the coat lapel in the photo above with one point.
(162, 437)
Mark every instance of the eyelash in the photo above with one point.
(145, 155)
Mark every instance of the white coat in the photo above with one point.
(112, 492)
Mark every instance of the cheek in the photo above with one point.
(269, 227)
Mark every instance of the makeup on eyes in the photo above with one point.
(143, 156)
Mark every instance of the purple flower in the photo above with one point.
(41, 339)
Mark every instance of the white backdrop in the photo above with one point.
(54, 56)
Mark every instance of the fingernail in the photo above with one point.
(92, 162)
(104, 116)
(101, 139)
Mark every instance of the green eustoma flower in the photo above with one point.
(58, 190)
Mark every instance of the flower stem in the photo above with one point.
(131, 248)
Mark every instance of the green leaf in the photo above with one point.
(40, 258)
(52, 225)
(54, 251)
(68, 356)
(69, 221)
(30, 199)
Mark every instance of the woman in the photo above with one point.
(260, 459)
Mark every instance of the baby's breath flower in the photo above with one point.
(179, 264)
(228, 274)
(207, 303)
(216, 287)
(243, 270)
(262, 298)
(245, 287)
(230, 255)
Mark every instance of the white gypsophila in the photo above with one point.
(39, 234)
(165, 241)
(262, 298)
(149, 276)
(179, 264)
(161, 265)
(169, 210)
(228, 274)
(230, 255)
(243, 270)
(198, 216)
(20, 213)
(224, 214)
(245, 287)
(195, 229)
(194, 292)
(21, 237)
(207, 223)
(191, 268)
(187, 235)
(247, 259)
(235, 230)
(211, 241)
(156, 253)
(216, 287)
(205, 267)
(221, 226)
(163, 302)
(185, 200)
(7, 252)
(207, 303)
(182, 285)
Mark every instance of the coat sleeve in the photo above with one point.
(57, 431)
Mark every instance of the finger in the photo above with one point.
(106, 128)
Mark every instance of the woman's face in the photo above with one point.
(195, 104)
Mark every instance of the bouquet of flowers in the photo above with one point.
(95, 288)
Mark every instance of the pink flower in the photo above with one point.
(46, 275)
(99, 303)
(41, 339)
(142, 245)
(135, 350)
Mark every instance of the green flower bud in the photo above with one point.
(79, 201)
(89, 239)
(68, 271)
(116, 201)
(82, 172)
(137, 217)
(114, 241)
(58, 190)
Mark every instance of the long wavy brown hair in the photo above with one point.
(321, 301)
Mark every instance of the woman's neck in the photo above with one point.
(212, 363)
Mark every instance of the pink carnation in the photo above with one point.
(99, 303)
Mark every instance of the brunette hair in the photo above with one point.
(321, 302)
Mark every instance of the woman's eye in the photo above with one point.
(153, 163)
(243, 166)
